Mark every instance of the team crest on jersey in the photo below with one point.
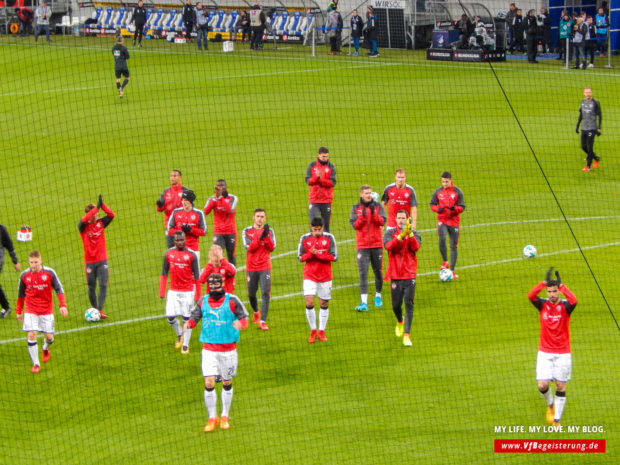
(193, 217)
(452, 196)
(323, 242)
(186, 257)
(44, 278)
(406, 195)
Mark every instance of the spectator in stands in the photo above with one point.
(202, 27)
(566, 27)
(602, 25)
(370, 32)
(25, 16)
(510, 23)
(517, 45)
(244, 26)
(139, 20)
(357, 25)
(42, 15)
(334, 29)
(333, 4)
(531, 35)
(591, 42)
(257, 25)
(580, 29)
(189, 19)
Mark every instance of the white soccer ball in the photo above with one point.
(446, 275)
(529, 251)
(92, 315)
(375, 197)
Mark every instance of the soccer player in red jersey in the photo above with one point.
(554, 361)
(317, 250)
(190, 220)
(321, 177)
(448, 202)
(223, 316)
(224, 207)
(218, 264)
(367, 218)
(400, 196)
(182, 266)
(35, 293)
(170, 199)
(259, 240)
(402, 243)
(92, 231)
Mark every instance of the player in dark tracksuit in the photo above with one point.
(121, 55)
(189, 18)
(590, 114)
(139, 19)
(6, 243)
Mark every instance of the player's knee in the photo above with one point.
(543, 386)
(227, 384)
(172, 319)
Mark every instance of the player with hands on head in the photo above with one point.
(92, 232)
(224, 207)
(34, 292)
(317, 250)
(182, 265)
(448, 202)
(259, 241)
(223, 316)
(218, 264)
(367, 218)
(402, 243)
(554, 360)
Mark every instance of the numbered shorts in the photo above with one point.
(40, 323)
(223, 364)
(179, 303)
(553, 367)
(322, 290)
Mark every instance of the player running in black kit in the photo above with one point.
(590, 114)
(121, 55)
(139, 20)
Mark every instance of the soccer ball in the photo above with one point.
(529, 251)
(375, 197)
(92, 315)
(446, 275)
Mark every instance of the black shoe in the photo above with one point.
(4, 312)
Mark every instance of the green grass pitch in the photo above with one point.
(118, 392)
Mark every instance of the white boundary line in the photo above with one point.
(335, 288)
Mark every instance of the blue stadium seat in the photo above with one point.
(294, 24)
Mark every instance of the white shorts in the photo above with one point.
(179, 303)
(223, 364)
(553, 367)
(322, 290)
(40, 323)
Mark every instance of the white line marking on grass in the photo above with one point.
(335, 288)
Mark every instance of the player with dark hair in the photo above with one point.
(223, 316)
(92, 231)
(218, 264)
(321, 177)
(170, 199)
(554, 361)
(224, 207)
(448, 202)
(400, 196)
(35, 293)
(182, 265)
(6, 243)
(121, 55)
(259, 240)
(592, 117)
(402, 243)
(367, 218)
(190, 220)
(317, 250)
(139, 20)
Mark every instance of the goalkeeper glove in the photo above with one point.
(265, 233)
(548, 275)
(440, 209)
(452, 207)
(225, 194)
(100, 202)
(186, 228)
(557, 277)
(160, 202)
